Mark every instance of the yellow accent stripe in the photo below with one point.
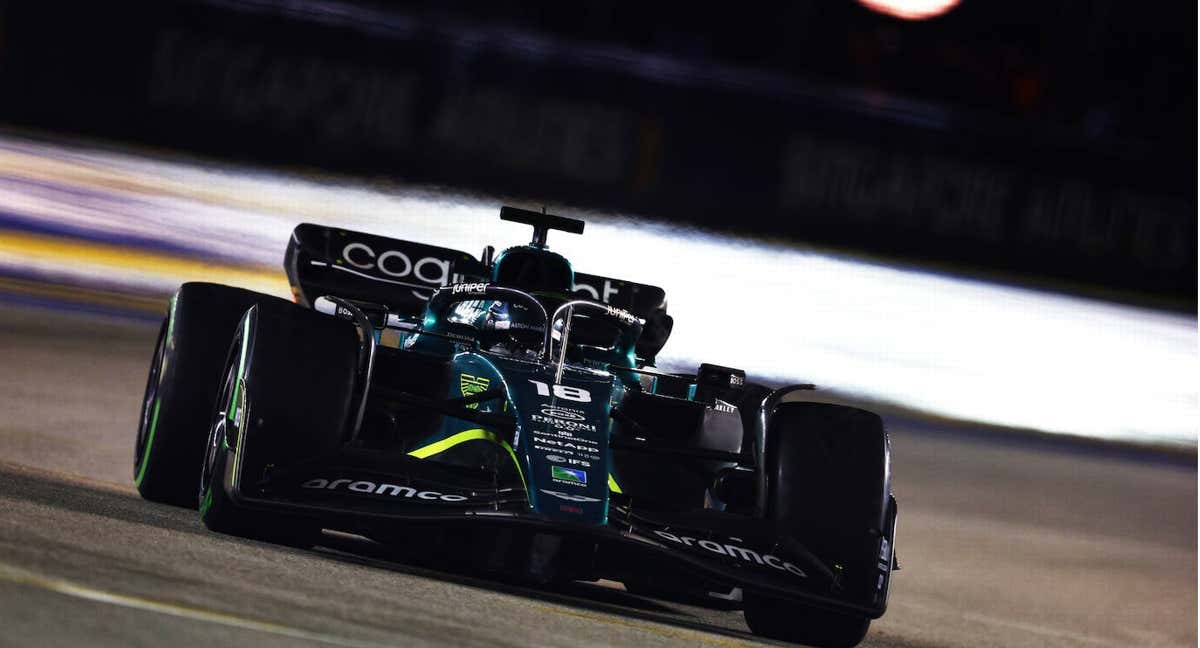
(184, 180)
(450, 442)
(41, 250)
(513, 455)
(464, 436)
(612, 485)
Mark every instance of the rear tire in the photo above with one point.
(181, 387)
(828, 487)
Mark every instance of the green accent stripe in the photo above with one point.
(171, 320)
(477, 434)
(237, 384)
(612, 485)
(137, 481)
(241, 440)
(207, 503)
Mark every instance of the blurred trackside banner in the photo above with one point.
(363, 90)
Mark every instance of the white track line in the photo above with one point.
(16, 575)
(1042, 631)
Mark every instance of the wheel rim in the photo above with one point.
(149, 398)
(218, 430)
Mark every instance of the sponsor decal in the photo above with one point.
(469, 288)
(734, 551)
(371, 488)
(722, 406)
(604, 294)
(469, 385)
(587, 451)
(465, 339)
(397, 264)
(885, 563)
(570, 426)
(570, 497)
(621, 314)
(554, 458)
(240, 405)
(564, 413)
(560, 473)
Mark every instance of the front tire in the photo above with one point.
(218, 511)
(828, 487)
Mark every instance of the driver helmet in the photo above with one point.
(514, 329)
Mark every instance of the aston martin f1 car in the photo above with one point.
(511, 408)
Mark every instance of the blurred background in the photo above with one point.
(930, 204)
(978, 218)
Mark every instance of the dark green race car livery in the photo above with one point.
(507, 402)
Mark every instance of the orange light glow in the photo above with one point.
(910, 9)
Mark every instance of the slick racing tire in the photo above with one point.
(220, 514)
(285, 396)
(827, 486)
(181, 387)
(787, 621)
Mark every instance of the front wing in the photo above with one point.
(356, 489)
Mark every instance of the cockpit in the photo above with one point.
(513, 323)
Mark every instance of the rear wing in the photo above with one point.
(402, 275)
(640, 299)
(644, 301)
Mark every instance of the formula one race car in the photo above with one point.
(509, 407)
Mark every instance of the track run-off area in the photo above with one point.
(1003, 541)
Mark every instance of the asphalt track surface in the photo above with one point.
(1002, 543)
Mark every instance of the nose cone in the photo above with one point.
(562, 441)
